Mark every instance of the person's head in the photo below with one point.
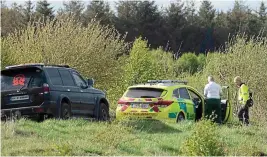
(238, 81)
(210, 79)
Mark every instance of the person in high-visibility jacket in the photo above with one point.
(243, 97)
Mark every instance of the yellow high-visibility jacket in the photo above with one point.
(243, 94)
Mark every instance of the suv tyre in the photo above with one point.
(104, 114)
(65, 111)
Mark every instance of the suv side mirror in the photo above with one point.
(91, 82)
(83, 86)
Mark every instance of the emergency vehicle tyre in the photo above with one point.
(180, 117)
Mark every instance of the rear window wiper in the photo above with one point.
(147, 97)
(26, 84)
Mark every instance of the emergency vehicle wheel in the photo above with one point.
(180, 117)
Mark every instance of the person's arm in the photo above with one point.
(221, 93)
(206, 91)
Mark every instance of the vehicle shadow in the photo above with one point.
(151, 126)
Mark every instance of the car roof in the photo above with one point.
(160, 86)
(38, 65)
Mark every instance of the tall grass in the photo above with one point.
(128, 138)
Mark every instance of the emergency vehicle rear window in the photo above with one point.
(144, 92)
(15, 79)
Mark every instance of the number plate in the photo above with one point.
(143, 106)
(134, 105)
(17, 98)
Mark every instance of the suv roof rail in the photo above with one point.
(55, 65)
(27, 64)
(37, 64)
(167, 81)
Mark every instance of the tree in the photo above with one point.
(262, 14)
(141, 18)
(125, 21)
(221, 19)
(191, 15)
(73, 8)
(99, 10)
(221, 31)
(28, 11)
(11, 19)
(175, 23)
(3, 4)
(44, 11)
(238, 18)
(206, 14)
(254, 24)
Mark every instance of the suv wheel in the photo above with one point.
(104, 114)
(40, 117)
(180, 117)
(65, 111)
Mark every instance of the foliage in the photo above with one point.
(206, 14)
(72, 8)
(204, 141)
(144, 64)
(99, 10)
(11, 19)
(190, 63)
(44, 11)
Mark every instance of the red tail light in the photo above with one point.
(148, 99)
(131, 99)
(39, 110)
(163, 103)
(46, 88)
(124, 104)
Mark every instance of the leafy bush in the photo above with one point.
(204, 141)
(189, 62)
(202, 61)
(144, 64)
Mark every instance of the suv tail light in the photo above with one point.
(46, 88)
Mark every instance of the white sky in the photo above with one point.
(218, 4)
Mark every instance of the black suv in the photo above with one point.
(39, 90)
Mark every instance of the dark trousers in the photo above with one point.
(243, 115)
(213, 105)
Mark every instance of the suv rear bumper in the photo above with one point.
(31, 111)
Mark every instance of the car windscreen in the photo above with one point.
(144, 92)
(15, 79)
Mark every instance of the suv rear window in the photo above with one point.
(54, 76)
(15, 79)
(144, 92)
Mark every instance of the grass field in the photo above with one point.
(84, 138)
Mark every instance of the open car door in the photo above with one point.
(227, 110)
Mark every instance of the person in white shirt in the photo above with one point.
(212, 93)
